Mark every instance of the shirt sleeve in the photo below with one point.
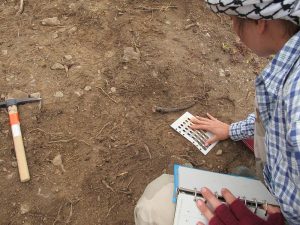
(242, 129)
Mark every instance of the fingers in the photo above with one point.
(204, 210)
(210, 197)
(211, 140)
(199, 119)
(202, 118)
(214, 202)
(271, 209)
(211, 117)
(223, 212)
(199, 126)
(195, 120)
(228, 196)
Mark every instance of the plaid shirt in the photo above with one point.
(278, 99)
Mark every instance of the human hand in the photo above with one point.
(219, 129)
(234, 212)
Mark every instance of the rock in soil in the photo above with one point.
(59, 94)
(14, 164)
(57, 66)
(68, 57)
(219, 152)
(24, 208)
(54, 21)
(88, 88)
(57, 161)
(35, 95)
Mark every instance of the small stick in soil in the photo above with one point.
(130, 183)
(70, 214)
(58, 214)
(68, 140)
(173, 109)
(21, 8)
(190, 25)
(107, 185)
(162, 8)
(110, 210)
(105, 125)
(128, 145)
(148, 151)
(105, 93)
(41, 130)
(122, 174)
(127, 192)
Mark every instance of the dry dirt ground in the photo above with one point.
(100, 67)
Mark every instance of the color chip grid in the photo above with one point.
(196, 137)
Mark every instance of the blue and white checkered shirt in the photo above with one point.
(278, 99)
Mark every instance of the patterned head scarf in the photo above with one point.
(259, 9)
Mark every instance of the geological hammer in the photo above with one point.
(11, 105)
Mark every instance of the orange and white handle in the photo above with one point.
(18, 142)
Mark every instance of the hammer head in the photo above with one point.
(13, 101)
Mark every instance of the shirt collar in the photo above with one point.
(277, 70)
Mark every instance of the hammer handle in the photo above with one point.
(18, 143)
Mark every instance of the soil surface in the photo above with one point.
(94, 143)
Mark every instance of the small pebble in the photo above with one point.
(68, 57)
(57, 66)
(78, 93)
(1, 161)
(57, 161)
(113, 90)
(87, 88)
(35, 95)
(14, 164)
(55, 189)
(4, 52)
(221, 73)
(54, 21)
(154, 74)
(227, 73)
(24, 208)
(72, 30)
(219, 152)
(58, 94)
(72, 6)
